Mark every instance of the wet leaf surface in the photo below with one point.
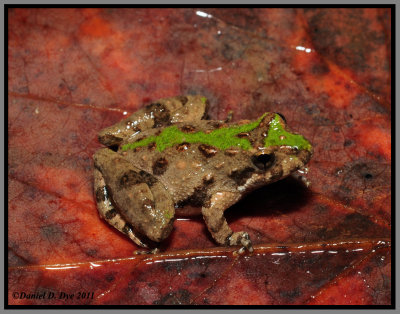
(73, 72)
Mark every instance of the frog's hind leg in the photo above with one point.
(108, 212)
(140, 198)
(157, 114)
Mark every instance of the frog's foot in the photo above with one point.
(241, 238)
(146, 252)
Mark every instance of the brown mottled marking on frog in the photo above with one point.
(243, 134)
(228, 239)
(182, 99)
(231, 151)
(127, 228)
(217, 224)
(151, 146)
(129, 178)
(160, 166)
(140, 137)
(198, 198)
(147, 178)
(182, 147)
(100, 194)
(289, 150)
(187, 128)
(241, 176)
(111, 213)
(208, 150)
(160, 113)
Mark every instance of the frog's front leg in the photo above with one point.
(159, 113)
(213, 215)
(136, 198)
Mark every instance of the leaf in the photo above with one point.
(73, 72)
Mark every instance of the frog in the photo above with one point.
(170, 159)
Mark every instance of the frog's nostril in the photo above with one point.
(263, 161)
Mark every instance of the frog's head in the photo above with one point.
(277, 150)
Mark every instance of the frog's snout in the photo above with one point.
(305, 154)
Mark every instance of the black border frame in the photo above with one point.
(392, 7)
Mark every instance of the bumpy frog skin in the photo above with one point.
(168, 159)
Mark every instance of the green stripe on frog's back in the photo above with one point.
(278, 136)
(222, 138)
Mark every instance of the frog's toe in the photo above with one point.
(229, 117)
(241, 238)
(146, 252)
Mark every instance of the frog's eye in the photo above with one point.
(263, 161)
(282, 116)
